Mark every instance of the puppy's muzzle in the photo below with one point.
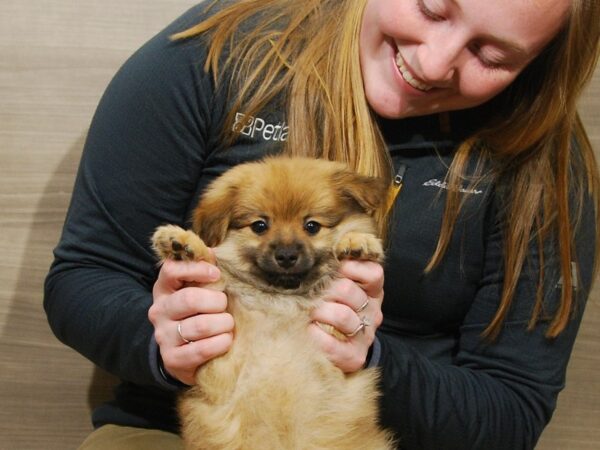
(286, 264)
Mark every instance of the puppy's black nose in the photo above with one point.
(287, 256)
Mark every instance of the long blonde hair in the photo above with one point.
(306, 52)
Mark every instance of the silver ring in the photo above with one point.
(364, 322)
(185, 341)
(362, 307)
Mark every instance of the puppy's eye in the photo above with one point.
(259, 227)
(312, 227)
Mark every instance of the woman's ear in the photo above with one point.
(212, 216)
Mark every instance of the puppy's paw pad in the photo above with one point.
(361, 246)
(173, 242)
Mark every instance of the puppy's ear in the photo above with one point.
(368, 192)
(212, 216)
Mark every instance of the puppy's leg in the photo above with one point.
(173, 242)
(363, 246)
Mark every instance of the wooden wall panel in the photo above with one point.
(56, 58)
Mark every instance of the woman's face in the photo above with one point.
(424, 56)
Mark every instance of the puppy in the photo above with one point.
(279, 229)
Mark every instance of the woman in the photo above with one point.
(468, 107)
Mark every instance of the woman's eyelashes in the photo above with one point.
(486, 60)
(431, 11)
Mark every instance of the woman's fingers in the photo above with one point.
(352, 306)
(367, 274)
(341, 317)
(182, 362)
(202, 326)
(349, 356)
(174, 275)
(191, 325)
(191, 301)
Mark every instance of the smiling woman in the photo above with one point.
(490, 243)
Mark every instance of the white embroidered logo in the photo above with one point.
(444, 185)
(574, 277)
(256, 127)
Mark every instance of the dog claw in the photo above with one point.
(189, 252)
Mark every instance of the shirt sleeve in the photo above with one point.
(494, 394)
(140, 166)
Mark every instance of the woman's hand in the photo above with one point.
(190, 323)
(351, 301)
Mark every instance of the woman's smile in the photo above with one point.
(408, 76)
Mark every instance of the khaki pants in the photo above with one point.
(114, 437)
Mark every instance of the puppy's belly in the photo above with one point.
(275, 390)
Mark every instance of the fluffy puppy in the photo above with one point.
(280, 228)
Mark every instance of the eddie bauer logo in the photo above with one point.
(444, 185)
(256, 127)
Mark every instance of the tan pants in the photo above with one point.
(115, 437)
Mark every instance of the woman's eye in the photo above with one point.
(312, 227)
(485, 60)
(428, 12)
(490, 65)
(259, 227)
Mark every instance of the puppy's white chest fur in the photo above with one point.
(275, 390)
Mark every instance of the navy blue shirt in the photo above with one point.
(155, 143)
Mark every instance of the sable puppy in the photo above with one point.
(280, 228)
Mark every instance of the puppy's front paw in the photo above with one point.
(171, 241)
(363, 246)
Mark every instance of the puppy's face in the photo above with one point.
(276, 222)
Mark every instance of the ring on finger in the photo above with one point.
(364, 322)
(362, 307)
(185, 341)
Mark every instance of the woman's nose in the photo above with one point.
(439, 59)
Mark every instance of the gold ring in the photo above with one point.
(362, 307)
(361, 327)
(185, 341)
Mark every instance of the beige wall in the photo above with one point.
(56, 58)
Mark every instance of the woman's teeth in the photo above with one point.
(408, 76)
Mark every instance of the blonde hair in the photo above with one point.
(306, 54)
(308, 51)
(542, 152)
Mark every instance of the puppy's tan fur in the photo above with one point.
(274, 390)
